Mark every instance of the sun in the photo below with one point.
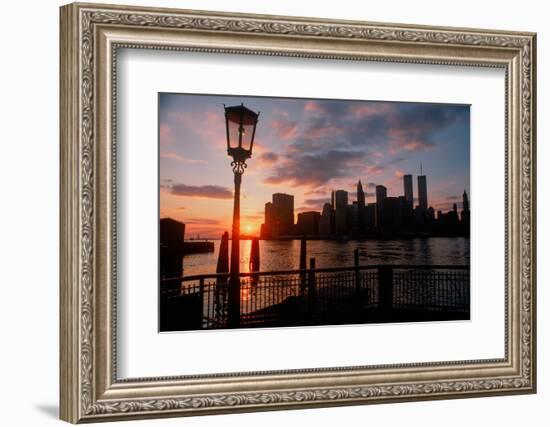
(247, 228)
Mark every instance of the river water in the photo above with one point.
(285, 254)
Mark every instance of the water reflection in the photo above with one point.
(285, 254)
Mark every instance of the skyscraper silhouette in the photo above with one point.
(283, 205)
(408, 187)
(360, 220)
(465, 214)
(360, 194)
(340, 208)
(422, 192)
(381, 194)
(327, 220)
(308, 223)
(465, 201)
(270, 219)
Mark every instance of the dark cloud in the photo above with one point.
(314, 169)
(317, 192)
(268, 157)
(205, 191)
(305, 209)
(202, 221)
(317, 202)
(344, 138)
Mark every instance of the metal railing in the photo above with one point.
(357, 294)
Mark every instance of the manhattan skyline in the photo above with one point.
(308, 148)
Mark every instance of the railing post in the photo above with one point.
(311, 284)
(356, 269)
(303, 264)
(385, 289)
(201, 296)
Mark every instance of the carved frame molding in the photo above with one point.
(90, 37)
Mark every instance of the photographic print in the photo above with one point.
(282, 212)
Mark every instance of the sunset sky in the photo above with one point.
(305, 148)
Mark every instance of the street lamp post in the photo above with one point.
(240, 123)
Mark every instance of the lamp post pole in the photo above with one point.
(234, 311)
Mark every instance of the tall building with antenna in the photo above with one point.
(422, 190)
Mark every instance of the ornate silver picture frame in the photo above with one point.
(91, 37)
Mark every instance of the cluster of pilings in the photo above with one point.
(223, 256)
(254, 261)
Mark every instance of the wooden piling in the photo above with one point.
(303, 265)
(223, 258)
(254, 263)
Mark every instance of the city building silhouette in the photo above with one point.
(381, 194)
(422, 192)
(308, 223)
(387, 217)
(408, 190)
(326, 222)
(340, 206)
(278, 217)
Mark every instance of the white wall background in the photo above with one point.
(29, 170)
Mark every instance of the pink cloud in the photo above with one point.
(415, 146)
(399, 174)
(322, 132)
(178, 157)
(285, 129)
(366, 110)
(207, 126)
(408, 140)
(444, 206)
(201, 191)
(313, 107)
(375, 170)
(279, 112)
(212, 117)
(258, 148)
(166, 134)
